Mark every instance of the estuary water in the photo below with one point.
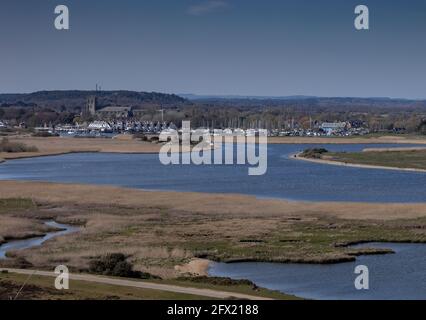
(37, 241)
(286, 178)
(397, 276)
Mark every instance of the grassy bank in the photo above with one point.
(415, 159)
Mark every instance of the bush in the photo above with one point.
(140, 136)
(314, 153)
(13, 147)
(116, 265)
(45, 134)
(219, 281)
(22, 263)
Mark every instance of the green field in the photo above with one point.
(415, 159)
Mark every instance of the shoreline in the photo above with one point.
(196, 267)
(54, 146)
(33, 236)
(353, 165)
(200, 267)
(65, 153)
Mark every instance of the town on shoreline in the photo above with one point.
(103, 113)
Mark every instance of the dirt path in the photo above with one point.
(144, 285)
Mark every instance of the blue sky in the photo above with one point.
(241, 47)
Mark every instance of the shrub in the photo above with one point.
(314, 153)
(140, 136)
(44, 134)
(219, 281)
(13, 147)
(116, 265)
(22, 263)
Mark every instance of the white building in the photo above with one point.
(332, 127)
(100, 126)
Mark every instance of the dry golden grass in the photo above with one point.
(20, 228)
(58, 145)
(210, 204)
(162, 230)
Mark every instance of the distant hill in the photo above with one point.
(77, 98)
(303, 102)
(190, 96)
(72, 100)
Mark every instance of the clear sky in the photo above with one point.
(241, 47)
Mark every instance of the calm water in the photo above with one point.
(395, 276)
(36, 241)
(286, 178)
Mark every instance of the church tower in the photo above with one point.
(91, 106)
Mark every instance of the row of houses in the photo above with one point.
(116, 126)
(347, 128)
(150, 127)
(330, 128)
